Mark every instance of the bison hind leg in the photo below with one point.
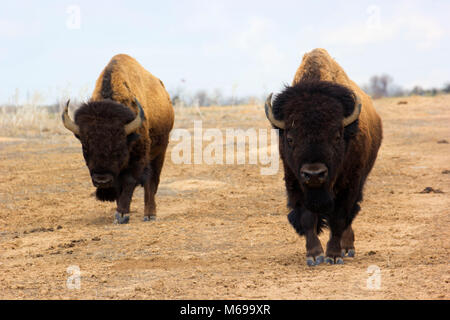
(146, 174)
(106, 194)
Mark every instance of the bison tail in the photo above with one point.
(106, 194)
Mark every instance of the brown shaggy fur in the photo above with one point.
(134, 159)
(129, 80)
(318, 65)
(312, 109)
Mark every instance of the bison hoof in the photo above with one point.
(350, 253)
(149, 218)
(319, 259)
(337, 260)
(120, 218)
(310, 261)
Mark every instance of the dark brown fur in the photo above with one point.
(313, 110)
(134, 159)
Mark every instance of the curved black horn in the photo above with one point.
(69, 123)
(137, 122)
(355, 114)
(269, 113)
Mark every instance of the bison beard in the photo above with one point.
(111, 194)
(319, 200)
(106, 194)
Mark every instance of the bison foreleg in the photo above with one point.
(342, 237)
(347, 242)
(124, 199)
(305, 223)
(337, 226)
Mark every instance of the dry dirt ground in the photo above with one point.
(222, 231)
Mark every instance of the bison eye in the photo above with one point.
(290, 141)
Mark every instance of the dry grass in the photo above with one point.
(222, 230)
(29, 121)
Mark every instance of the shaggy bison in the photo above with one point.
(124, 131)
(329, 139)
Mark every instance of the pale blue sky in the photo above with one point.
(253, 46)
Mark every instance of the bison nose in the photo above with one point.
(314, 174)
(102, 179)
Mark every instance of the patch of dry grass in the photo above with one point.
(29, 121)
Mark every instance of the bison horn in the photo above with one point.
(269, 113)
(68, 123)
(352, 118)
(137, 122)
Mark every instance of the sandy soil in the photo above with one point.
(222, 231)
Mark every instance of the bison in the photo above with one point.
(124, 132)
(329, 136)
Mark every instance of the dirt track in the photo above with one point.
(222, 231)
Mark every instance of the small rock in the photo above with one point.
(431, 190)
(443, 141)
(371, 253)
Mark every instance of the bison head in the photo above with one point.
(316, 121)
(107, 131)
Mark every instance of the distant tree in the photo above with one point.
(417, 90)
(202, 98)
(216, 97)
(379, 85)
(446, 88)
(396, 91)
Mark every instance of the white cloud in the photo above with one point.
(254, 34)
(204, 15)
(421, 30)
(258, 39)
(425, 31)
(11, 29)
(435, 77)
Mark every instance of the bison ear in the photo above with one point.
(132, 137)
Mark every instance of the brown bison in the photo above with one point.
(124, 131)
(329, 139)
